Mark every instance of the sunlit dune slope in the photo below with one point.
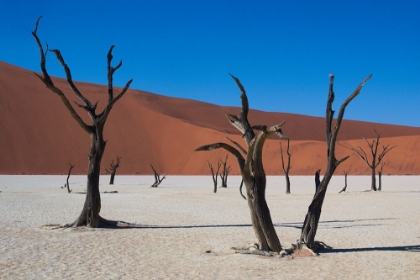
(39, 136)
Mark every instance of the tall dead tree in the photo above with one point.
(225, 172)
(253, 174)
(113, 166)
(214, 174)
(380, 176)
(376, 156)
(92, 206)
(68, 176)
(286, 168)
(310, 225)
(158, 180)
(345, 183)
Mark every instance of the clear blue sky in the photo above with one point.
(282, 51)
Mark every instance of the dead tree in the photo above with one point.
(92, 206)
(66, 185)
(113, 169)
(252, 171)
(225, 172)
(380, 176)
(345, 183)
(158, 180)
(310, 225)
(286, 168)
(214, 174)
(376, 157)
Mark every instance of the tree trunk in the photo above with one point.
(68, 176)
(287, 183)
(310, 225)
(111, 180)
(380, 181)
(373, 185)
(260, 214)
(90, 213)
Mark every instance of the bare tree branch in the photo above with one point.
(237, 145)
(241, 121)
(46, 79)
(227, 147)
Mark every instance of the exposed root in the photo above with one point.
(254, 250)
(103, 223)
(51, 226)
(294, 251)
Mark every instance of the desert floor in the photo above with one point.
(187, 231)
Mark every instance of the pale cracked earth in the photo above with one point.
(187, 231)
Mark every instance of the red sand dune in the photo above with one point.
(40, 137)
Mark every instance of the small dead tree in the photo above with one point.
(214, 174)
(66, 185)
(253, 174)
(310, 225)
(92, 206)
(286, 168)
(345, 183)
(225, 172)
(158, 180)
(380, 176)
(113, 166)
(376, 156)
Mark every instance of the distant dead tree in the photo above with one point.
(214, 174)
(158, 180)
(376, 156)
(380, 176)
(252, 171)
(92, 206)
(113, 166)
(286, 168)
(225, 172)
(345, 183)
(310, 225)
(66, 185)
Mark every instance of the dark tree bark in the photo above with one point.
(113, 166)
(68, 176)
(380, 176)
(245, 153)
(253, 174)
(317, 179)
(286, 168)
(158, 180)
(214, 174)
(310, 225)
(92, 206)
(376, 157)
(345, 183)
(225, 172)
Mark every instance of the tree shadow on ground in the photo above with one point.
(408, 248)
(332, 222)
(142, 226)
